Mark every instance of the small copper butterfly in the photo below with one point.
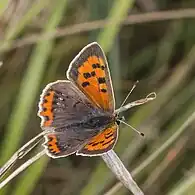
(80, 110)
(77, 115)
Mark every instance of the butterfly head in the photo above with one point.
(118, 118)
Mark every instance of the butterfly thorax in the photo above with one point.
(100, 122)
(94, 122)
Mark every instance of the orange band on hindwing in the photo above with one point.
(101, 143)
(52, 145)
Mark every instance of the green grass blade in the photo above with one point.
(35, 9)
(3, 6)
(116, 16)
(186, 186)
(30, 86)
(29, 178)
(40, 56)
(13, 31)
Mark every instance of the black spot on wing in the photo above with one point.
(44, 109)
(95, 144)
(101, 80)
(108, 136)
(87, 75)
(85, 84)
(94, 66)
(45, 101)
(103, 90)
(105, 143)
(93, 73)
(48, 94)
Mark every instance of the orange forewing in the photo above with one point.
(90, 72)
(101, 143)
(97, 91)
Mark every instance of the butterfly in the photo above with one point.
(77, 115)
(80, 110)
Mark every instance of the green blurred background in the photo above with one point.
(152, 41)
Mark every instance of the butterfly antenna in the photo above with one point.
(134, 86)
(140, 133)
